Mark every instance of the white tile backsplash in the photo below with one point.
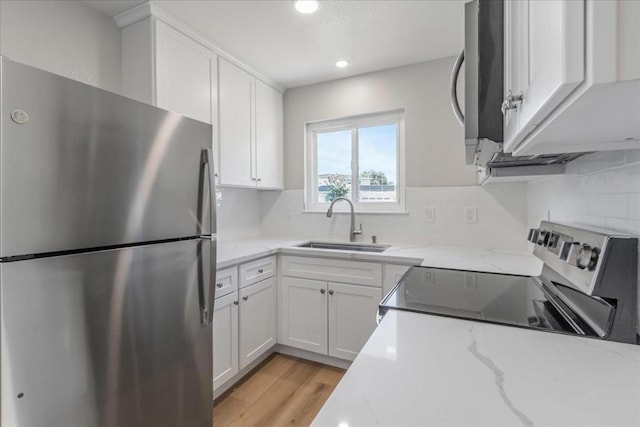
(600, 189)
(238, 213)
(501, 207)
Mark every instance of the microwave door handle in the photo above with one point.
(455, 105)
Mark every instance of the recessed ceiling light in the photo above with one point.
(342, 63)
(306, 6)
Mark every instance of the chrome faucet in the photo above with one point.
(353, 232)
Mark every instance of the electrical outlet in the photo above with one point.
(429, 213)
(471, 215)
(289, 213)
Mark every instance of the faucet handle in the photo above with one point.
(359, 231)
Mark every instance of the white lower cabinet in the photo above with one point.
(258, 320)
(304, 314)
(225, 339)
(330, 318)
(352, 318)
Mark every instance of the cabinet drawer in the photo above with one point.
(226, 281)
(333, 270)
(255, 271)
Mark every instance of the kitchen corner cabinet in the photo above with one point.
(329, 317)
(576, 66)
(250, 113)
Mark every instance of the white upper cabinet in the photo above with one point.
(165, 68)
(250, 130)
(575, 65)
(183, 74)
(166, 64)
(268, 152)
(236, 93)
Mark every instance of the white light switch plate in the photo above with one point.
(429, 213)
(471, 215)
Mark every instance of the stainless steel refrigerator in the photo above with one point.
(107, 250)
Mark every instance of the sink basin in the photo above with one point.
(345, 246)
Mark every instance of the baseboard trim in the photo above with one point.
(314, 357)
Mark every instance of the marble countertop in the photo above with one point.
(236, 252)
(423, 370)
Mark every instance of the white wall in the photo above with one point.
(601, 189)
(64, 37)
(434, 139)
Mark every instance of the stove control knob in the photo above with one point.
(587, 257)
(533, 235)
(569, 252)
(543, 237)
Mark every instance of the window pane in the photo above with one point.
(377, 152)
(334, 165)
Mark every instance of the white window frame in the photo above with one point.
(311, 203)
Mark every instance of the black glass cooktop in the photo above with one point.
(488, 297)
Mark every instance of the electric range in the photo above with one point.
(587, 287)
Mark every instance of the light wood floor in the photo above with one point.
(282, 391)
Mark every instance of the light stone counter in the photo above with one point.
(423, 370)
(236, 252)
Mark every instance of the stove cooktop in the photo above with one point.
(506, 299)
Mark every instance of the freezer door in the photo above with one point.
(84, 168)
(112, 338)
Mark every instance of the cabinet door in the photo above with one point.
(235, 91)
(225, 339)
(544, 60)
(268, 152)
(183, 74)
(213, 66)
(304, 314)
(352, 318)
(257, 320)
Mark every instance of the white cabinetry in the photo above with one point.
(304, 314)
(352, 314)
(225, 338)
(268, 156)
(329, 317)
(236, 124)
(225, 327)
(258, 319)
(244, 317)
(576, 65)
(163, 67)
(250, 129)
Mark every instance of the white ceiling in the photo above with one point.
(295, 49)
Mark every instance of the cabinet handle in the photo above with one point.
(331, 292)
(219, 284)
(511, 102)
(216, 175)
(245, 298)
(259, 179)
(235, 303)
(322, 291)
(261, 270)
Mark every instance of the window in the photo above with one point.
(360, 158)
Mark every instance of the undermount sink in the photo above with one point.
(362, 247)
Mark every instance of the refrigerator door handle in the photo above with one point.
(206, 300)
